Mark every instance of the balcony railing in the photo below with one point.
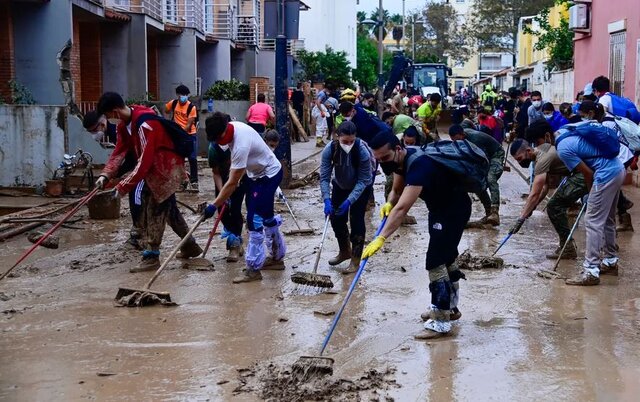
(293, 45)
(248, 30)
(152, 8)
(184, 13)
(219, 20)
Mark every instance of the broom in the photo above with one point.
(312, 278)
(299, 231)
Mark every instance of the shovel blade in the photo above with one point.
(124, 293)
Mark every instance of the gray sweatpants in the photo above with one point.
(600, 221)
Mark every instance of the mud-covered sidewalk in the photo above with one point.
(521, 337)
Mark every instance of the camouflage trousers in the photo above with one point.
(573, 189)
(496, 168)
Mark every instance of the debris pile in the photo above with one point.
(474, 263)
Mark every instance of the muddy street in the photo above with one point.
(521, 337)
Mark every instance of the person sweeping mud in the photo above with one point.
(220, 164)
(549, 170)
(416, 175)
(493, 150)
(158, 165)
(346, 177)
(250, 155)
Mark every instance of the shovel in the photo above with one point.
(312, 278)
(139, 296)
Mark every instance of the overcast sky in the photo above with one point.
(394, 6)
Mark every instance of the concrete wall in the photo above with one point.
(221, 61)
(32, 141)
(243, 64)
(79, 138)
(592, 51)
(176, 63)
(266, 61)
(236, 109)
(41, 30)
(330, 23)
(206, 60)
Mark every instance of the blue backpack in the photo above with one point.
(604, 139)
(624, 107)
(465, 160)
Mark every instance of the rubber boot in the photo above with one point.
(190, 250)
(570, 252)
(235, 252)
(248, 275)
(494, 218)
(482, 222)
(319, 142)
(344, 253)
(149, 263)
(356, 246)
(624, 223)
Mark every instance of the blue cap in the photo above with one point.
(588, 89)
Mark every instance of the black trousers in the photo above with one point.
(446, 225)
(355, 215)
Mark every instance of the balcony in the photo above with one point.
(219, 20)
(152, 8)
(184, 13)
(248, 32)
(293, 45)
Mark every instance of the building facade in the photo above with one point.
(610, 47)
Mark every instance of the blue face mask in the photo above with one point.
(183, 98)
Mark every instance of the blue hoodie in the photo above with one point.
(557, 120)
(368, 125)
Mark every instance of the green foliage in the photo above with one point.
(20, 95)
(367, 54)
(228, 90)
(493, 24)
(145, 100)
(329, 66)
(558, 41)
(439, 35)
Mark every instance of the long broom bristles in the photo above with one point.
(310, 279)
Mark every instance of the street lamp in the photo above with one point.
(379, 23)
(413, 36)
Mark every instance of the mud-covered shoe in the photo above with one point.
(454, 316)
(319, 142)
(583, 279)
(570, 252)
(609, 269)
(189, 250)
(273, 265)
(147, 264)
(624, 223)
(427, 334)
(627, 204)
(493, 218)
(345, 251)
(193, 188)
(235, 253)
(248, 276)
(134, 242)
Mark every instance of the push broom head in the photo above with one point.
(313, 365)
(300, 232)
(310, 279)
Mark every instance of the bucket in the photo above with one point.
(54, 188)
(104, 206)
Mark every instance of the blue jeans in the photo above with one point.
(259, 201)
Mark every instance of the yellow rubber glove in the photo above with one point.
(373, 247)
(385, 209)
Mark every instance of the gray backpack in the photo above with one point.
(465, 160)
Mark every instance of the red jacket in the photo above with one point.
(488, 121)
(160, 167)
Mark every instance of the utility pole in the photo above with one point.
(283, 151)
(404, 33)
(380, 53)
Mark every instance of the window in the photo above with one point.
(458, 84)
(170, 11)
(617, 43)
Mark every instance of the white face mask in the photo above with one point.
(348, 118)
(224, 147)
(98, 136)
(346, 148)
(548, 116)
(536, 104)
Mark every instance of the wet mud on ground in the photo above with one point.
(521, 337)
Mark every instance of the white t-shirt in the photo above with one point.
(605, 101)
(250, 152)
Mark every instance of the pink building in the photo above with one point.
(612, 48)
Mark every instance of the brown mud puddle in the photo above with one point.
(274, 383)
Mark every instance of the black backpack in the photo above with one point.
(174, 104)
(182, 142)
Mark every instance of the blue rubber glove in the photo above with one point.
(328, 208)
(343, 208)
(209, 211)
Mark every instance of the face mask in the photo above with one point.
(98, 135)
(365, 103)
(227, 137)
(348, 118)
(525, 163)
(536, 104)
(183, 98)
(346, 148)
(391, 166)
(586, 119)
(548, 116)
(224, 147)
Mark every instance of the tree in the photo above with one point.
(439, 34)
(558, 41)
(367, 72)
(328, 66)
(493, 24)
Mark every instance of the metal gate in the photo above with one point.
(617, 43)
